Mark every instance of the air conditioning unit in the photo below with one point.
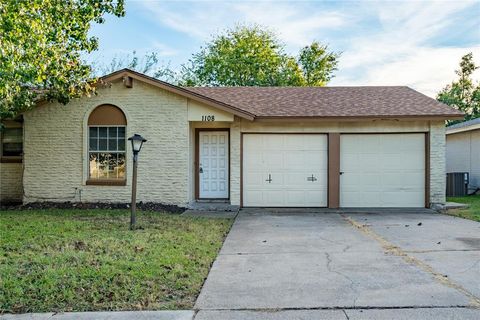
(457, 184)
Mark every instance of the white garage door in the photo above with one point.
(285, 170)
(382, 170)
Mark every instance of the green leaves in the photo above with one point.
(317, 64)
(41, 43)
(463, 94)
(253, 56)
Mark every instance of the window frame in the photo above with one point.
(106, 181)
(11, 124)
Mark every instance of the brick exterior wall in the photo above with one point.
(11, 182)
(55, 146)
(235, 162)
(437, 163)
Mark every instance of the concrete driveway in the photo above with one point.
(295, 264)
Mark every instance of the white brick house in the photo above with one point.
(313, 147)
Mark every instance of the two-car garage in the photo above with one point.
(375, 170)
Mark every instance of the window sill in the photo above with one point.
(11, 160)
(106, 182)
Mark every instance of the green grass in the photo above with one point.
(472, 213)
(79, 260)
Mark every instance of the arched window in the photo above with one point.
(106, 145)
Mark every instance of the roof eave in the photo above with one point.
(367, 117)
(463, 129)
(178, 90)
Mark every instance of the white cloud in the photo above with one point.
(296, 23)
(162, 49)
(427, 70)
(400, 53)
(383, 42)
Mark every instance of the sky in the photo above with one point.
(413, 43)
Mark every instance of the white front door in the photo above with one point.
(382, 170)
(285, 170)
(213, 165)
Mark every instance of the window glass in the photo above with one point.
(121, 144)
(106, 152)
(102, 132)
(12, 142)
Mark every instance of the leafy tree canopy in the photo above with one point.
(463, 94)
(41, 42)
(253, 56)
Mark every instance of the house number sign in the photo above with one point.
(208, 118)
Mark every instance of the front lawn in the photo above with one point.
(79, 260)
(472, 213)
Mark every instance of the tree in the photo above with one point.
(253, 56)
(148, 64)
(41, 43)
(463, 94)
(317, 64)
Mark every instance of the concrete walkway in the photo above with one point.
(294, 264)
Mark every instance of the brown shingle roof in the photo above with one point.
(322, 102)
(329, 101)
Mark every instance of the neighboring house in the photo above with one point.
(250, 146)
(463, 150)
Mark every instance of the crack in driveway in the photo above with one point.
(352, 283)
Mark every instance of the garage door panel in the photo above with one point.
(367, 160)
(358, 199)
(294, 159)
(255, 179)
(290, 159)
(407, 199)
(295, 180)
(271, 143)
(274, 159)
(274, 196)
(256, 198)
(316, 160)
(357, 181)
(388, 170)
(312, 142)
(278, 179)
(252, 159)
(295, 198)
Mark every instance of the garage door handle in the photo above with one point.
(341, 172)
(269, 178)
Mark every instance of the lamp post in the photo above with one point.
(137, 142)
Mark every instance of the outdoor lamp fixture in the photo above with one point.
(137, 142)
